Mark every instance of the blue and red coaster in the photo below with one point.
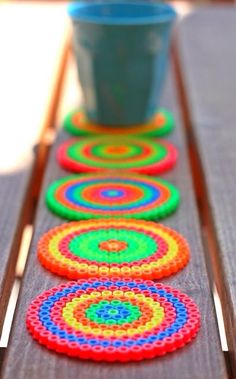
(113, 319)
(79, 197)
(138, 155)
(161, 124)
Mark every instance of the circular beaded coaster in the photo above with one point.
(161, 124)
(95, 196)
(113, 319)
(108, 248)
(104, 153)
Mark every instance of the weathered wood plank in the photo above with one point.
(203, 358)
(13, 191)
(208, 61)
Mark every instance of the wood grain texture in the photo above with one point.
(13, 191)
(208, 61)
(202, 358)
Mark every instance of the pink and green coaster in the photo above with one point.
(113, 319)
(113, 247)
(79, 197)
(161, 124)
(139, 155)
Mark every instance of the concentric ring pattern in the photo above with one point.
(122, 153)
(113, 319)
(95, 196)
(161, 124)
(113, 247)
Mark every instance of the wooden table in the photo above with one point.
(200, 91)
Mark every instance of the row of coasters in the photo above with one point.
(112, 312)
(79, 197)
(77, 124)
(121, 153)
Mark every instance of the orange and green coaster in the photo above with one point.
(139, 155)
(161, 124)
(113, 319)
(113, 247)
(79, 197)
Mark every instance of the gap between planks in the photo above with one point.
(210, 244)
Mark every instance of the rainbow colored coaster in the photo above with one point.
(111, 248)
(108, 153)
(94, 196)
(113, 319)
(161, 124)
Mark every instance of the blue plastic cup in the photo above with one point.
(121, 50)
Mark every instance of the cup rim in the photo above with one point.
(169, 15)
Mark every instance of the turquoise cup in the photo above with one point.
(121, 50)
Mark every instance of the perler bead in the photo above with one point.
(113, 319)
(161, 124)
(111, 248)
(123, 153)
(79, 197)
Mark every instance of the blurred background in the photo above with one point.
(33, 45)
